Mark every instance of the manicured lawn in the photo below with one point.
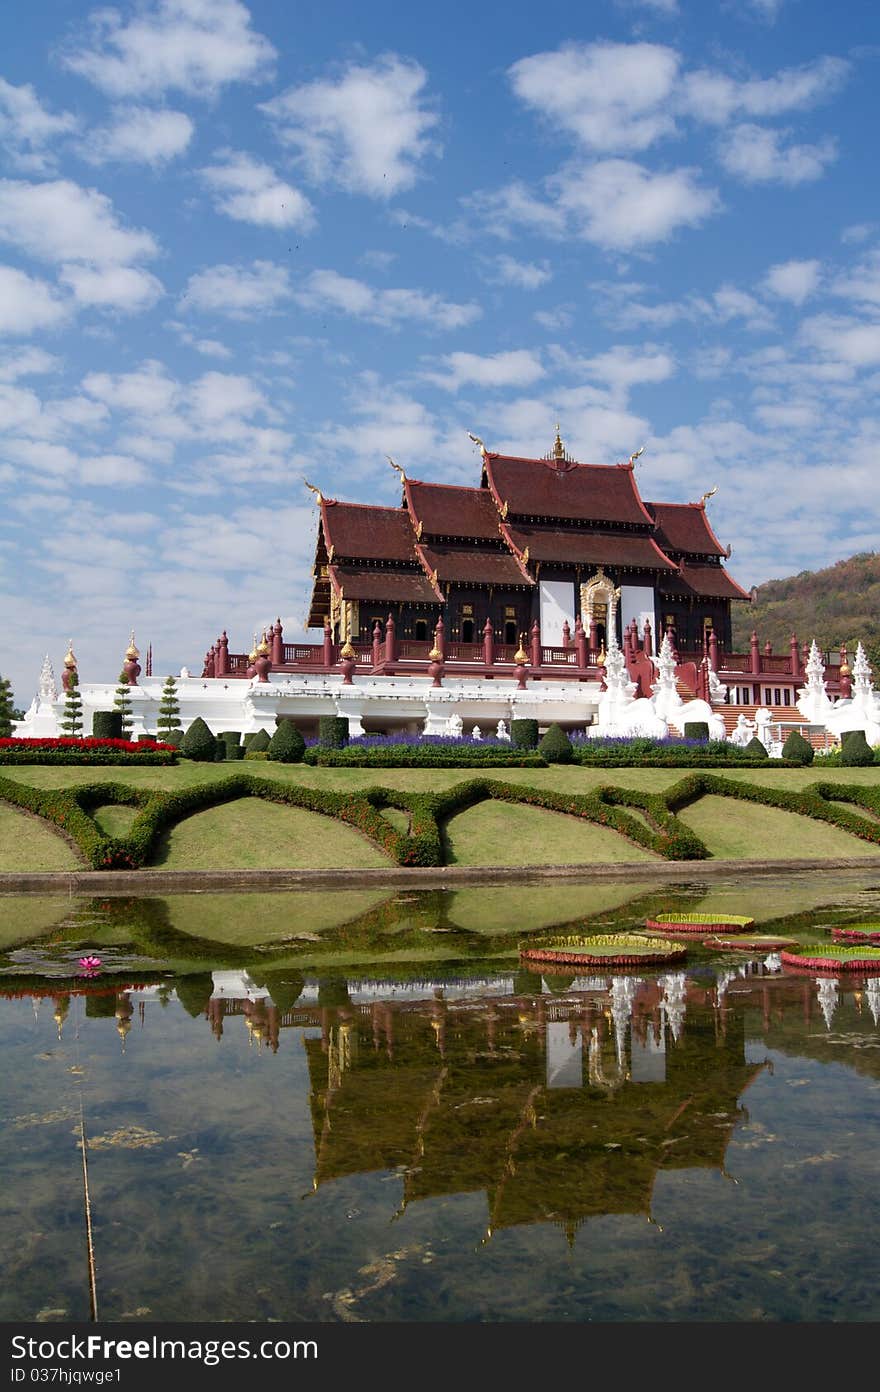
(25, 917)
(26, 843)
(114, 819)
(506, 908)
(240, 919)
(253, 834)
(734, 830)
(501, 833)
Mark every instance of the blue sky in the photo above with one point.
(240, 244)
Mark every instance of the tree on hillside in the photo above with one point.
(169, 708)
(7, 710)
(71, 721)
(840, 604)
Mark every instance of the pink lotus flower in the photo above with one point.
(89, 966)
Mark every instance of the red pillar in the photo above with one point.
(566, 636)
(755, 654)
(580, 642)
(221, 667)
(328, 644)
(713, 650)
(488, 643)
(277, 645)
(440, 636)
(377, 644)
(648, 640)
(794, 656)
(768, 649)
(594, 639)
(535, 644)
(390, 644)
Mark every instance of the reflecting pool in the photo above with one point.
(360, 1107)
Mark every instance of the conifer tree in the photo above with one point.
(169, 708)
(7, 712)
(122, 703)
(71, 721)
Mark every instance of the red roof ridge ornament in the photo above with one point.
(319, 497)
(559, 455)
(397, 467)
(636, 454)
(477, 441)
(706, 496)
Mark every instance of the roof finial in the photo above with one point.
(558, 446)
(477, 441)
(397, 467)
(636, 455)
(706, 496)
(319, 497)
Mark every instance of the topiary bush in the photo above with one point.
(287, 745)
(697, 730)
(755, 749)
(524, 734)
(174, 737)
(232, 746)
(333, 731)
(107, 724)
(556, 747)
(258, 743)
(855, 751)
(796, 748)
(198, 742)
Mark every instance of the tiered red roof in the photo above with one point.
(467, 566)
(397, 586)
(360, 531)
(575, 547)
(707, 581)
(684, 529)
(443, 510)
(560, 488)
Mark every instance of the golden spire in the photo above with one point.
(70, 659)
(263, 649)
(600, 660)
(252, 655)
(558, 446)
(348, 650)
(435, 654)
(131, 651)
(521, 655)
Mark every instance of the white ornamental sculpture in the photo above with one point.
(861, 711)
(670, 707)
(454, 726)
(501, 731)
(813, 700)
(619, 713)
(48, 691)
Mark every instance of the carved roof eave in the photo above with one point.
(431, 574)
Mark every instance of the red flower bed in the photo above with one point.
(120, 746)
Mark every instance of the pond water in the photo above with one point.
(359, 1107)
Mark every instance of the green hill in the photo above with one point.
(838, 605)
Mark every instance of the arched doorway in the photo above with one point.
(467, 630)
(599, 606)
(510, 634)
(421, 630)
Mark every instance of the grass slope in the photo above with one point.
(495, 833)
(27, 843)
(250, 834)
(747, 831)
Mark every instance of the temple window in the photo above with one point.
(510, 631)
(421, 630)
(467, 631)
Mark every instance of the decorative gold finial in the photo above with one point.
(263, 650)
(637, 454)
(348, 650)
(477, 441)
(252, 655)
(600, 660)
(558, 446)
(70, 659)
(131, 651)
(521, 656)
(319, 497)
(435, 654)
(706, 496)
(397, 467)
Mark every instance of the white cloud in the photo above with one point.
(861, 282)
(553, 320)
(125, 288)
(60, 221)
(139, 135)
(667, 9)
(28, 304)
(518, 368)
(148, 392)
(794, 280)
(238, 292)
(622, 368)
(621, 205)
(708, 95)
(250, 191)
(328, 289)
(758, 154)
(27, 362)
(26, 127)
(730, 303)
(844, 338)
(195, 46)
(365, 132)
(611, 96)
(112, 471)
(526, 275)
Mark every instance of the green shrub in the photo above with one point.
(169, 709)
(524, 734)
(107, 724)
(231, 742)
(258, 742)
(556, 747)
(287, 745)
(697, 730)
(755, 749)
(796, 748)
(174, 737)
(256, 754)
(855, 750)
(198, 742)
(333, 731)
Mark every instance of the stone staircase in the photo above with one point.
(788, 716)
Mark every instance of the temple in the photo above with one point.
(548, 541)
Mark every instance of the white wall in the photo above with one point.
(557, 605)
(637, 602)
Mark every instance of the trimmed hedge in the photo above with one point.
(697, 730)
(420, 756)
(258, 743)
(287, 745)
(107, 724)
(797, 749)
(198, 742)
(524, 734)
(755, 749)
(556, 747)
(855, 751)
(333, 731)
(658, 829)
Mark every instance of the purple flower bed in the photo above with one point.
(410, 741)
